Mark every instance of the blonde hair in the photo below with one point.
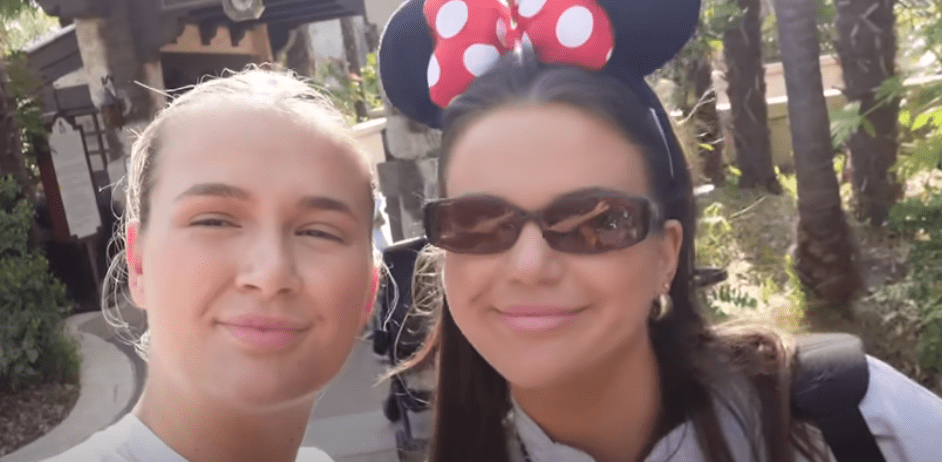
(282, 91)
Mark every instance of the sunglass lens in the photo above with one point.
(595, 224)
(472, 225)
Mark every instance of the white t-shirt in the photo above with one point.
(905, 419)
(129, 440)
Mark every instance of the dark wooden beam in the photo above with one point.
(73, 8)
(55, 57)
(301, 15)
(295, 11)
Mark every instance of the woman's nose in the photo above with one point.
(269, 266)
(531, 260)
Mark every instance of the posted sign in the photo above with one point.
(75, 179)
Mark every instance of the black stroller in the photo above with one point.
(396, 337)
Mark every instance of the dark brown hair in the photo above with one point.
(694, 359)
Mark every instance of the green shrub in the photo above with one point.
(347, 91)
(33, 344)
(921, 220)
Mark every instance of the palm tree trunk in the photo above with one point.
(867, 50)
(824, 252)
(742, 48)
(348, 30)
(706, 120)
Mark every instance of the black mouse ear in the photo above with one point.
(404, 53)
(648, 33)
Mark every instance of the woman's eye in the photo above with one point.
(321, 234)
(213, 223)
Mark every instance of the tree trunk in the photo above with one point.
(348, 30)
(824, 253)
(742, 48)
(867, 49)
(298, 56)
(706, 121)
(11, 154)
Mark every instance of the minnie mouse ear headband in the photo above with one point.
(431, 50)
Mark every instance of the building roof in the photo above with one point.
(157, 17)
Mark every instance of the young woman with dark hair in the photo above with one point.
(568, 329)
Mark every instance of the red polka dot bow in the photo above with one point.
(470, 36)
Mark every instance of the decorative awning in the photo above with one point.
(291, 12)
(154, 18)
(276, 11)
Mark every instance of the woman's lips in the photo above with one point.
(261, 332)
(537, 318)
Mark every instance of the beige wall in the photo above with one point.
(379, 11)
(831, 76)
(780, 131)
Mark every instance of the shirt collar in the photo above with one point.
(677, 444)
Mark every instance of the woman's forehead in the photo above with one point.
(544, 149)
(264, 150)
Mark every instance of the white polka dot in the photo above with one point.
(502, 31)
(480, 57)
(529, 8)
(434, 71)
(451, 18)
(575, 26)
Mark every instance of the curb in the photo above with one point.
(107, 388)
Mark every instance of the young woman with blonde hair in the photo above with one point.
(248, 224)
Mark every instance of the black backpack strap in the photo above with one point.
(830, 382)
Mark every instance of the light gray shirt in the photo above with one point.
(129, 440)
(905, 419)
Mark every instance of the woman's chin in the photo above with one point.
(533, 377)
(258, 397)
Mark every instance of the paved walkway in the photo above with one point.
(108, 388)
(347, 422)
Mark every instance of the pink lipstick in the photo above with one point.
(537, 318)
(263, 332)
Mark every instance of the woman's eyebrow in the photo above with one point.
(215, 189)
(325, 203)
(235, 192)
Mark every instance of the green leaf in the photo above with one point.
(936, 116)
(844, 122)
(921, 121)
(936, 35)
(891, 88)
(905, 118)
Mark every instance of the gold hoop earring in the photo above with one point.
(662, 307)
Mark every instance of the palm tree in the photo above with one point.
(694, 96)
(866, 46)
(742, 47)
(824, 252)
